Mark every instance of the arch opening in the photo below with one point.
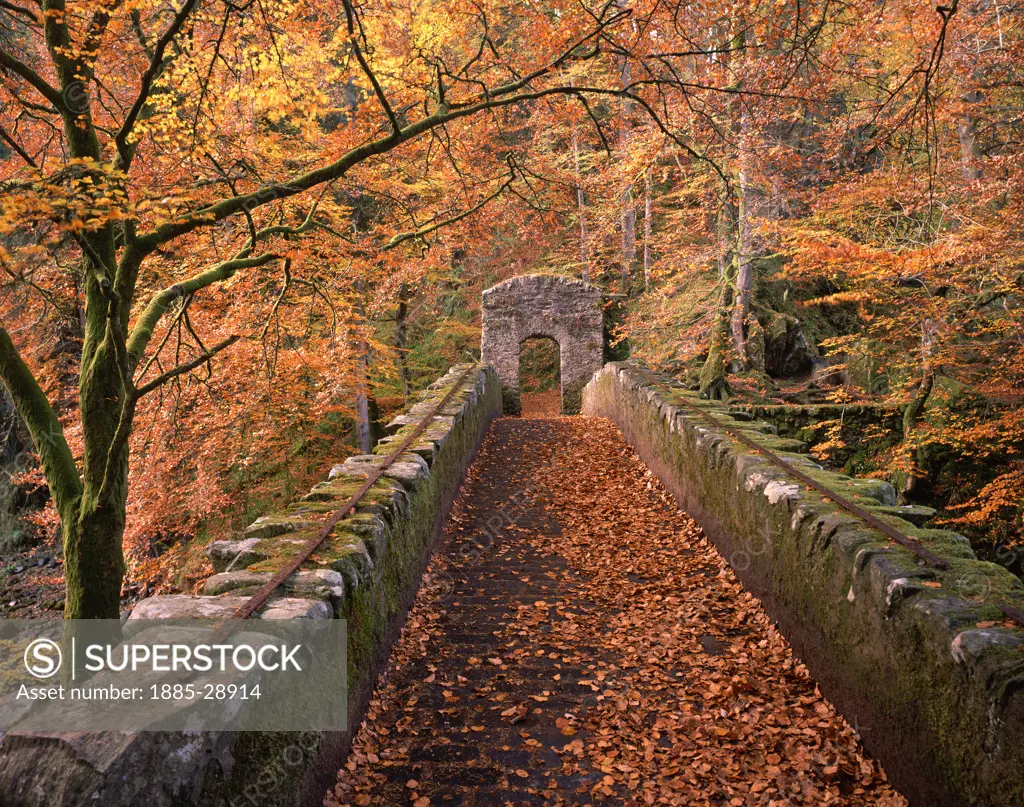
(540, 377)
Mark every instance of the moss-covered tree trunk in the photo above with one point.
(94, 563)
(915, 409)
(91, 505)
(713, 381)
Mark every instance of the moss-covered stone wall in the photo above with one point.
(923, 662)
(367, 573)
(842, 426)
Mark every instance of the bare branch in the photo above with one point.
(188, 366)
(277, 301)
(425, 231)
(124, 151)
(597, 124)
(14, 144)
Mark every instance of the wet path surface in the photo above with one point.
(578, 642)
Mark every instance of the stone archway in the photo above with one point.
(561, 308)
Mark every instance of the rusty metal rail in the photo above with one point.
(259, 599)
(908, 542)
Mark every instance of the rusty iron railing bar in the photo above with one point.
(259, 599)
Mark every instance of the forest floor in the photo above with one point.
(32, 583)
(593, 649)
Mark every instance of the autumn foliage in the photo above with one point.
(313, 197)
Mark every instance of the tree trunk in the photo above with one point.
(363, 410)
(94, 562)
(744, 275)
(580, 204)
(401, 332)
(363, 436)
(713, 382)
(967, 130)
(745, 243)
(628, 205)
(912, 414)
(970, 149)
(628, 237)
(647, 230)
(915, 408)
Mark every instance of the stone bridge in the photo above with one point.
(575, 637)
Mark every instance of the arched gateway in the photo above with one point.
(564, 309)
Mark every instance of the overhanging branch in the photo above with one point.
(188, 366)
(508, 94)
(158, 305)
(401, 238)
(43, 425)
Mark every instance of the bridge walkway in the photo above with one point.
(577, 641)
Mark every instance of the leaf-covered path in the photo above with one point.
(578, 641)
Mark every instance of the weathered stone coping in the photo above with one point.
(920, 661)
(813, 410)
(804, 422)
(366, 572)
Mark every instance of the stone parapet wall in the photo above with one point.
(841, 426)
(801, 420)
(923, 662)
(367, 572)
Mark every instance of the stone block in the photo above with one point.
(318, 584)
(225, 555)
(275, 524)
(187, 606)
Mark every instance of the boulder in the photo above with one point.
(786, 352)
